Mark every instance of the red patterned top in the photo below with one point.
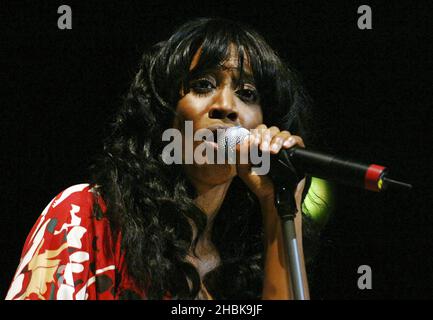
(72, 253)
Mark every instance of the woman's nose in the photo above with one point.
(224, 106)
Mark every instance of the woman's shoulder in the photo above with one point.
(77, 217)
(79, 199)
(77, 205)
(70, 246)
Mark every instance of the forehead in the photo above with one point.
(231, 63)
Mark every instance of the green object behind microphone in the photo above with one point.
(318, 202)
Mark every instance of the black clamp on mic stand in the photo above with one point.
(285, 202)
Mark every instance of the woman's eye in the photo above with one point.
(202, 86)
(247, 95)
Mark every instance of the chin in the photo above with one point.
(213, 173)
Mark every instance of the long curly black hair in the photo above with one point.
(151, 203)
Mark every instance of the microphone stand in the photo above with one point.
(284, 187)
(286, 178)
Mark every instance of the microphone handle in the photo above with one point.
(290, 163)
(317, 164)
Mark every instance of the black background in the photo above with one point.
(373, 98)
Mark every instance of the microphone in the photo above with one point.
(302, 161)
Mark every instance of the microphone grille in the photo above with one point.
(232, 137)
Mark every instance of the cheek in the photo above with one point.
(182, 109)
(184, 112)
(190, 107)
(251, 116)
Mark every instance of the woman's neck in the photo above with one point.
(210, 198)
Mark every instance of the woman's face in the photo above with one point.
(216, 98)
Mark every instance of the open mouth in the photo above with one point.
(213, 138)
(212, 142)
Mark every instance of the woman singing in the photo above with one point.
(145, 229)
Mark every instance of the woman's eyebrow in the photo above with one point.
(196, 73)
(247, 76)
(244, 76)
